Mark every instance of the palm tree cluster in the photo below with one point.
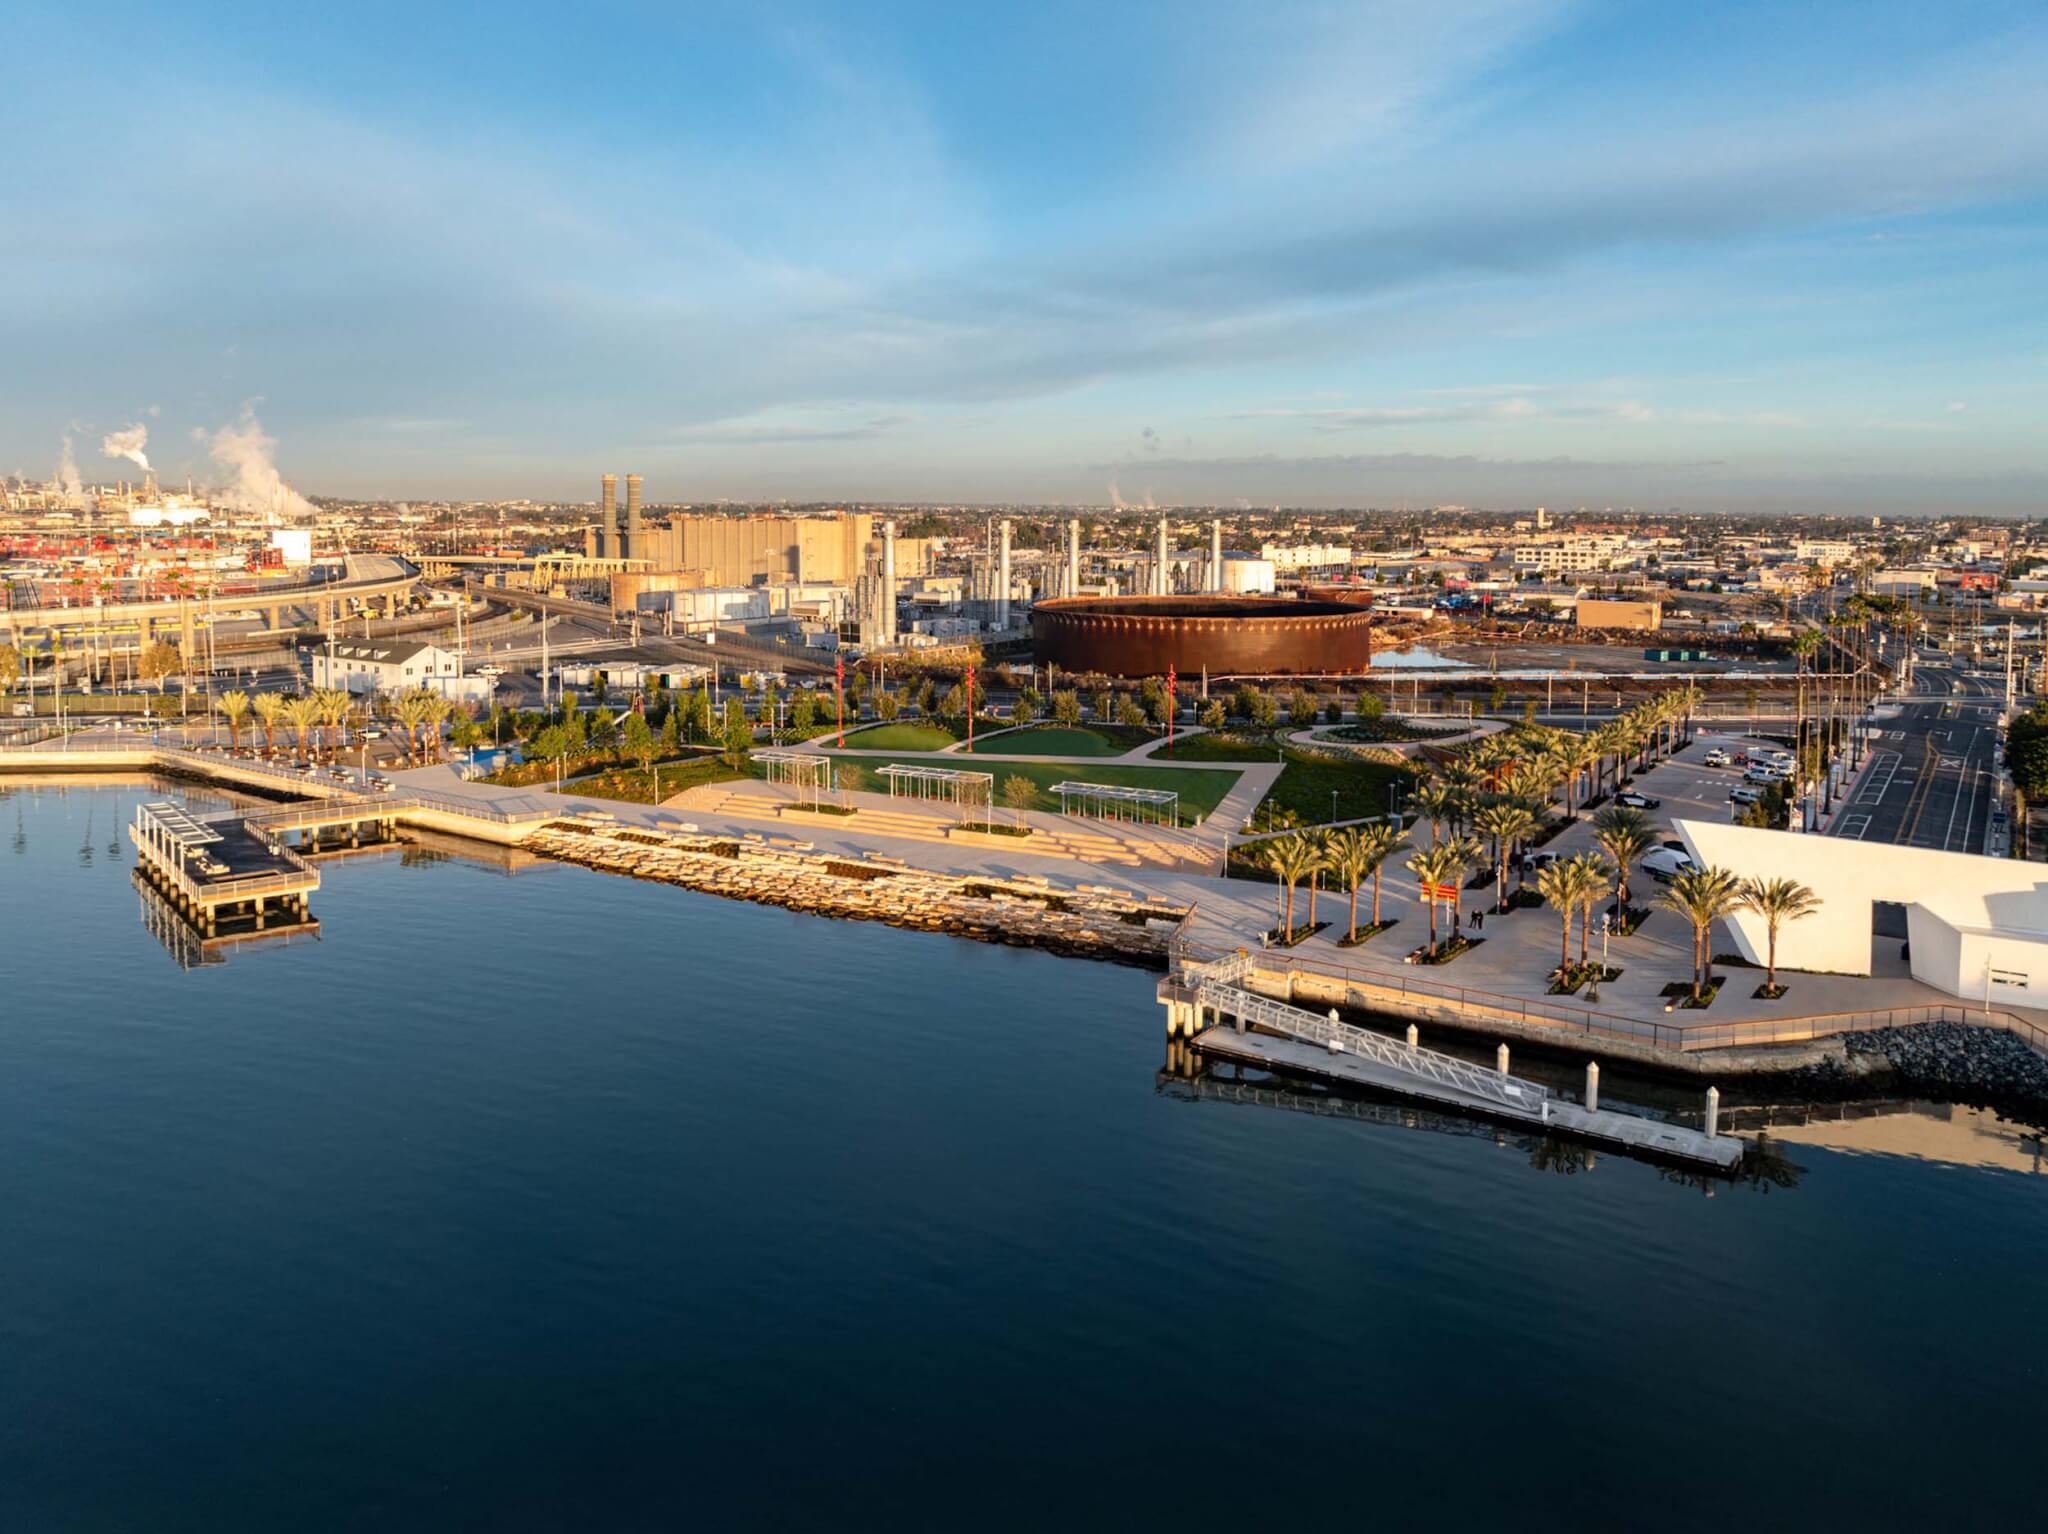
(1353, 855)
(1704, 896)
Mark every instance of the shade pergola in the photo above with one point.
(1112, 801)
(801, 770)
(948, 784)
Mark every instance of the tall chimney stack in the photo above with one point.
(889, 582)
(1073, 557)
(1216, 554)
(1003, 576)
(1161, 586)
(632, 549)
(608, 518)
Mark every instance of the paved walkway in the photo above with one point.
(1517, 953)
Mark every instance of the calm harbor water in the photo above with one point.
(560, 1201)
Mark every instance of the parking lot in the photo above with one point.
(1685, 787)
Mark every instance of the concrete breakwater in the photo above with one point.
(1082, 922)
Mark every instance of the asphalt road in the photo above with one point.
(1930, 781)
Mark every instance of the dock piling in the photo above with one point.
(1713, 1110)
(1500, 1059)
(1592, 1086)
(1414, 1036)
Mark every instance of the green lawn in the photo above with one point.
(1200, 790)
(902, 735)
(1052, 740)
(635, 785)
(1221, 746)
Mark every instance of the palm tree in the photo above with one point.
(1291, 859)
(1558, 884)
(1777, 901)
(1589, 877)
(1610, 740)
(409, 714)
(1442, 864)
(267, 706)
(1624, 835)
(434, 712)
(1437, 803)
(1575, 753)
(234, 706)
(1507, 821)
(1702, 896)
(334, 707)
(1356, 854)
(302, 714)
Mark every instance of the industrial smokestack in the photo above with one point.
(1216, 555)
(1074, 557)
(632, 549)
(1003, 577)
(1160, 585)
(889, 582)
(608, 518)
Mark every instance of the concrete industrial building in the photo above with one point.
(747, 551)
(1602, 613)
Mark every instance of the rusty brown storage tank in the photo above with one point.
(1256, 636)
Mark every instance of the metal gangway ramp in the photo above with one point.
(1277, 1035)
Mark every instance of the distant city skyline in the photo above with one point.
(1493, 252)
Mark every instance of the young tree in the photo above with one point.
(1105, 706)
(1333, 711)
(1265, 711)
(159, 663)
(1214, 715)
(888, 704)
(1301, 708)
(672, 732)
(1371, 706)
(1130, 713)
(803, 711)
(1019, 794)
(643, 748)
(738, 734)
(1066, 706)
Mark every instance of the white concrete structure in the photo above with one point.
(1162, 580)
(1073, 558)
(1216, 554)
(1978, 926)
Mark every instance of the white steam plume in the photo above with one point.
(67, 474)
(243, 446)
(127, 443)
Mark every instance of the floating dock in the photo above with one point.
(226, 878)
(1211, 1009)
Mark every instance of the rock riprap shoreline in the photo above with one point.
(1085, 921)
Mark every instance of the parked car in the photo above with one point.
(1717, 757)
(1676, 846)
(1664, 865)
(1761, 772)
(1535, 860)
(1637, 801)
(1740, 795)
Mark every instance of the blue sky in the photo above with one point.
(1504, 252)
